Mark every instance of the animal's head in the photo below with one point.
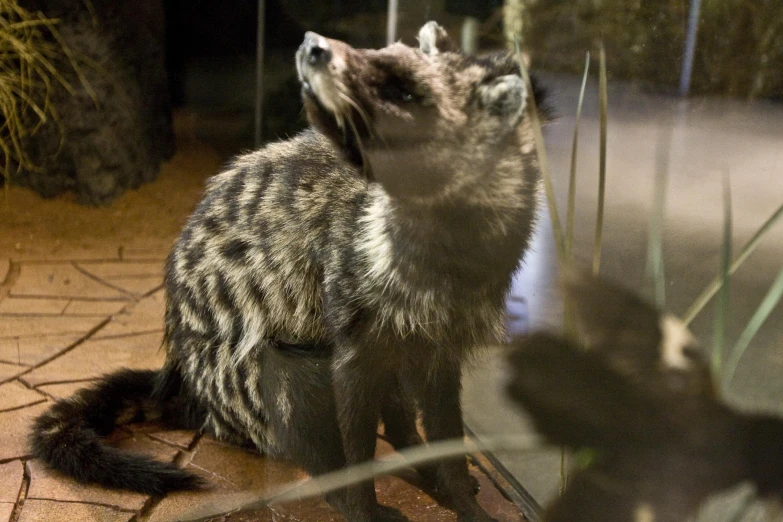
(423, 121)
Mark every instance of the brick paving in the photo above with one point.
(70, 316)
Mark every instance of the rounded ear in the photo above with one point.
(433, 39)
(504, 96)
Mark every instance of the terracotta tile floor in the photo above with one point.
(71, 315)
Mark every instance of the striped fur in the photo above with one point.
(311, 294)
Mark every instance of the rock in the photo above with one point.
(118, 139)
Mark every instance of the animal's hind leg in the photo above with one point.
(307, 429)
(315, 443)
(319, 455)
(302, 416)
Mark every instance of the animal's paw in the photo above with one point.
(389, 514)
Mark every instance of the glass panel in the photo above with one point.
(731, 121)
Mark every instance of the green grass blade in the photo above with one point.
(603, 105)
(563, 472)
(768, 304)
(569, 235)
(569, 317)
(535, 123)
(557, 229)
(655, 263)
(722, 304)
(745, 251)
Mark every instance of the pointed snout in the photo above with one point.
(315, 50)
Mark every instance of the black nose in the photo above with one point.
(316, 49)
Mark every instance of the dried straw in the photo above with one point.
(34, 62)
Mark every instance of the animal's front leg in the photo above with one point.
(442, 417)
(398, 413)
(359, 386)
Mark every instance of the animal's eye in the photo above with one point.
(395, 91)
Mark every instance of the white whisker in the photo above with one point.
(347, 99)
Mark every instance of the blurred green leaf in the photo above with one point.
(572, 178)
(745, 251)
(535, 123)
(603, 99)
(655, 269)
(761, 314)
(722, 304)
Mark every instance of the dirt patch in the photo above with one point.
(153, 214)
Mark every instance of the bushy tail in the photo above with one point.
(68, 436)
